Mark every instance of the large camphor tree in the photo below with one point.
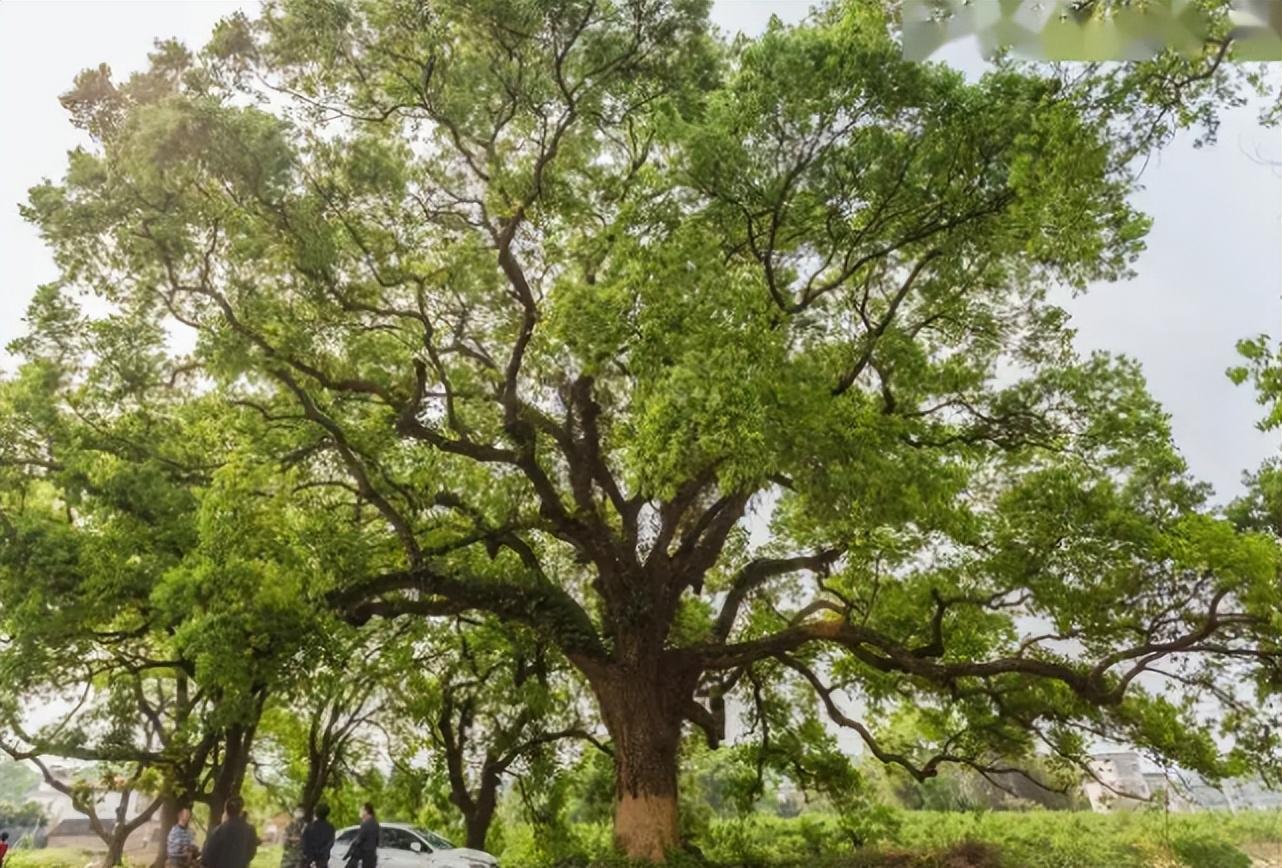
(712, 364)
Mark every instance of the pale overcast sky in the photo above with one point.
(1212, 273)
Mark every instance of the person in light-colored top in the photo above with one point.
(180, 846)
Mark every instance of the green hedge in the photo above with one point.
(1046, 839)
(924, 839)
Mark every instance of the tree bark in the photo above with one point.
(315, 784)
(168, 819)
(642, 706)
(120, 832)
(237, 742)
(478, 810)
(115, 854)
(480, 813)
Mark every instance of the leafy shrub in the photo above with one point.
(574, 846)
(1201, 852)
(927, 839)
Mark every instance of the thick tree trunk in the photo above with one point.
(643, 707)
(315, 784)
(478, 828)
(115, 854)
(237, 743)
(646, 822)
(217, 802)
(119, 834)
(480, 814)
(168, 819)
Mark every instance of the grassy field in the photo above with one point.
(71, 857)
(51, 857)
(917, 839)
(1086, 840)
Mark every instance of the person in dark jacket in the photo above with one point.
(364, 849)
(233, 842)
(318, 839)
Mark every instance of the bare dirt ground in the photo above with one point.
(1264, 855)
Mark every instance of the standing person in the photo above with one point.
(4, 847)
(292, 856)
(318, 839)
(364, 850)
(180, 846)
(233, 843)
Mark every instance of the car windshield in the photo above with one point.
(435, 841)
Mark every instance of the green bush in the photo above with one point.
(1198, 851)
(578, 845)
(1058, 839)
(930, 839)
(1034, 839)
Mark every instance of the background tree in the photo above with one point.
(96, 508)
(126, 614)
(128, 787)
(516, 285)
(16, 781)
(25, 821)
(319, 732)
(485, 700)
(1258, 510)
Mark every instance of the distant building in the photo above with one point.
(1251, 795)
(1118, 783)
(54, 804)
(1121, 783)
(1169, 793)
(1205, 796)
(67, 827)
(77, 833)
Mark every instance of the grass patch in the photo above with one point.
(51, 857)
(267, 857)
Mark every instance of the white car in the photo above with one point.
(404, 846)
